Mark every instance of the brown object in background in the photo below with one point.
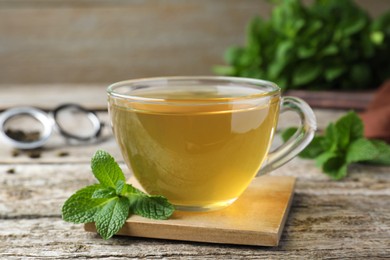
(376, 118)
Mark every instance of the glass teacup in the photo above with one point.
(200, 141)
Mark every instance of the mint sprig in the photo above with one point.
(342, 144)
(110, 202)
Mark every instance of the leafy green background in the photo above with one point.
(330, 44)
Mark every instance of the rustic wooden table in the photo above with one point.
(328, 219)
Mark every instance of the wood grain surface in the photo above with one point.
(89, 41)
(103, 41)
(348, 219)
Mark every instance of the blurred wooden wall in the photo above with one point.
(88, 41)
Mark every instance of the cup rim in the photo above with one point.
(274, 88)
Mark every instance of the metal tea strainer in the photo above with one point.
(72, 121)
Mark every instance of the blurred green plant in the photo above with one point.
(342, 144)
(331, 44)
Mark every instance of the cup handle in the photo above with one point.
(302, 137)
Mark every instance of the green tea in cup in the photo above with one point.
(200, 141)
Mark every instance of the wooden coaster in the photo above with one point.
(256, 218)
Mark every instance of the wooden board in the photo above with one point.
(256, 218)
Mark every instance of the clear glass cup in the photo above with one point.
(200, 141)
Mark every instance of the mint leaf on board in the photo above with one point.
(129, 190)
(106, 169)
(81, 207)
(119, 187)
(104, 193)
(155, 207)
(112, 217)
(149, 206)
(343, 143)
(109, 203)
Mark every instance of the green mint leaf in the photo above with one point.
(361, 150)
(314, 149)
(349, 128)
(332, 164)
(154, 207)
(119, 187)
(324, 157)
(104, 193)
(288, 133)
(129, 190)
(383, 153)
(108, 204)
(81, 207)
(342, 144)
(331, 137)
(112, 216)
(106, 169)
(335, 167)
